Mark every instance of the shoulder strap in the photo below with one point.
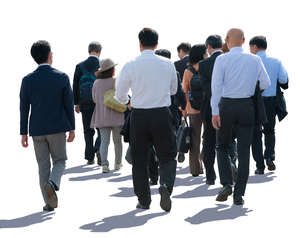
(192, 69)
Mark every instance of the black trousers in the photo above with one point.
(268, 130)
(152, 127)
(238, 114)
(90, 148)
(153, 165)
(208, 149)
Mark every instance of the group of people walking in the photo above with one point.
(219, 87)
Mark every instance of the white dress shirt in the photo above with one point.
(151, 78)
(235, 75)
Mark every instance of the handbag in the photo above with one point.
(112, 103)
(183, 137)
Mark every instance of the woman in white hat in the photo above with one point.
(104, 118)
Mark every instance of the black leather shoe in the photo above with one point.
(195, 175)
(140, 206)
(271, 165)
(52, 197)
(224, 193)
(151, 182)
(180, 157)
(98, 158)
(165, 200)
(48, 208)
(210, 182)
(90, 161)
(238, 201)
(259, 171)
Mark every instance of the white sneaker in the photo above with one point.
(105, 169)
(118, 166)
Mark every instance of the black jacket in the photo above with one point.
(181, 65)
(206, 67)
(92, 65)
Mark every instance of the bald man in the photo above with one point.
(234, 79)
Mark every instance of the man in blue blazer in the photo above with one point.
(47, 94)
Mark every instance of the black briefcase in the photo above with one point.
(184, 133)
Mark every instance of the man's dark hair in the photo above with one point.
(148, 37)
(163, 53)
(185, 47)
(40, 51)
(215, 41)
(105, 74)
(259, 41)
(196, 54)
(95, 46)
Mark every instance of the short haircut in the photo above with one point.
(163, 53)
(106, 74)
(148, 37)
(196, 54)
(215, 41)
(259, 41)
(95, 46)
(40, 51)
(185, 47)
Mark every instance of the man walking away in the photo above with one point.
(278, 77)
(152, 80)
(82, 88)
(47, 94)
(234, 79)
(183, 51)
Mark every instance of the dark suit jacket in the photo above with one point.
(92, 65)
(47, 94)
(206, 67)
(181, 65)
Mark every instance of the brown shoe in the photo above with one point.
(52, 197)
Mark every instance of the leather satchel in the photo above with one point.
(259, 106)
(112, 103)
(184, 137)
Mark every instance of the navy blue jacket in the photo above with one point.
(47, 93)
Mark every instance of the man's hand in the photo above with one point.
(77, 109)
(129, 107)
(71, 136)
(24, 141)
(216, 122)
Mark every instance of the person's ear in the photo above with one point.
(50, 58)
(155, 47)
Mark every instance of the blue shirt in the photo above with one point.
(235, 75)
(276, 72)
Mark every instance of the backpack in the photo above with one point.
(86, 83)
(198, 86)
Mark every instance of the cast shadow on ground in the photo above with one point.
(181, 170)
(80, 169)
(128, 192)
(25, 221)
(127, 220)
(220, 212)
(264, 178)
(95, 176)
(121, 179)
(201, 191)
(188, 181)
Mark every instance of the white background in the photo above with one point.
(85, 200)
